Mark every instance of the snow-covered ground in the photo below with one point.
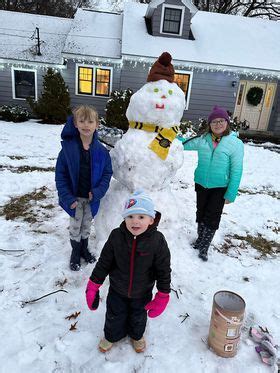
(34, 261)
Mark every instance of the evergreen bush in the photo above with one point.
(54, 104)
(200, 126)
(14, 113)
(116, 108)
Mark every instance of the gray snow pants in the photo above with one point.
(79, 227)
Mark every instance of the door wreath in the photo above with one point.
(254, 96)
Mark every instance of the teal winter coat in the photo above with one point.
(218, 167)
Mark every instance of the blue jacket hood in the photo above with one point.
(70, 131)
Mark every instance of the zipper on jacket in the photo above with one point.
(132, 256)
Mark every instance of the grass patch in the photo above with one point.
(271, 193)
(22, 169)
(49, 207)
(259, 243)
(15, 157)
(20, 207)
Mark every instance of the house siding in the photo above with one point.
(156, 21)
(69, 76)
(210, 89)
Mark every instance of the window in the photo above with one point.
(85, 80)
(172, 19)
(94, 81)
(184, 81)
(102, 82)
(24, 83)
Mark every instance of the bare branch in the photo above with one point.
(44, 296)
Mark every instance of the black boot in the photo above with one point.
(205, 243)
(89, 258)
(200, 232)
(75, 263)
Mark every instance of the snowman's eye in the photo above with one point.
(170, 91)
(156, 90)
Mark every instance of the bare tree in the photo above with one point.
(58, 8)
(246, 8)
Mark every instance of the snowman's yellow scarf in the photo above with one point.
(161, 143)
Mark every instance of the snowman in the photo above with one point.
(148, 155)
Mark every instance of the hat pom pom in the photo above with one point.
(165, 59)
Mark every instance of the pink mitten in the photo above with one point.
(92, 295)
(158, 304)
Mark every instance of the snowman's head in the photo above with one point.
(160, 102)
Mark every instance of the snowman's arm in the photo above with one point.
(104, 264)
(162, 266)
(100, 190)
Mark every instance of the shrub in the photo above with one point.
(116, 108)
(14, 113)
(200, 126)
(54, 104)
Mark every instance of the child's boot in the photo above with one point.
(140, 345)
(89, 258)
(104, 345)
(75, 263)
(205, 243)
(200, 232)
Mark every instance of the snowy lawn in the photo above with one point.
(34, 251)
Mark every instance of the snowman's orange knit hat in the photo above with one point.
(162, 69)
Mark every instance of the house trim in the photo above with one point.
(190, 73)
(211, 67)
(13, 69)
(25, 64)
(93, 67)
(182, 8)
(86, 59)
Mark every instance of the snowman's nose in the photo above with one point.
(163, 96)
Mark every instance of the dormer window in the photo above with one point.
(172, 19)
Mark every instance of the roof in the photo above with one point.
(95, 33)
(220, 39)
(17, 40)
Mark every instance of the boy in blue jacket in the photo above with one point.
(82, 176)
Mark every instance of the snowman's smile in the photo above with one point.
(159, 106)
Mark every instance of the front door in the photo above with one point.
(257, 116)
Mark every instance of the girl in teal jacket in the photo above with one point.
(217, 176)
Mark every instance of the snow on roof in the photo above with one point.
(219, 39)
(95, 33)
(17, 36)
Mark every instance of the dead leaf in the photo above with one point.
(73, 315)
(73, 326)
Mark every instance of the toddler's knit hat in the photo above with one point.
(139, 203)
(162, 69)
(218, 112)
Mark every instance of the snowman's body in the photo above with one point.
(138, 167)
(135, 165)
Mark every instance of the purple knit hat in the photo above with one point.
(218, 112)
